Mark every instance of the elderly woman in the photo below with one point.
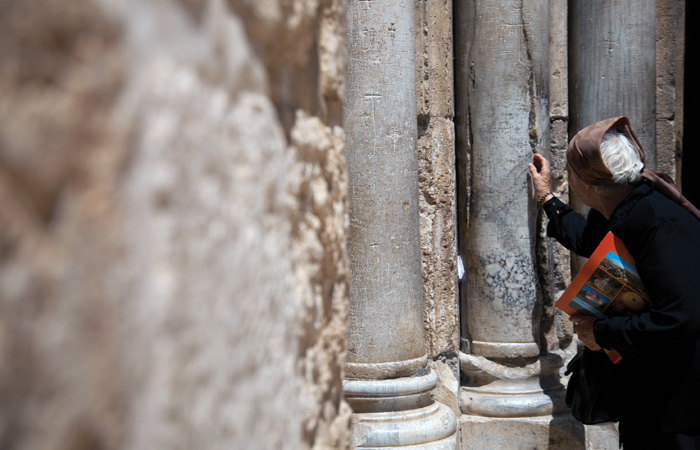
(658, 380)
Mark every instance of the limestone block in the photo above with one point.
(554, 260)
(437, 175)
(604, 436)
(670, 26)
(670, 43)
(667, 145)
(558, 95)
(558, 60)
(437, 184)
(434, 68)
(545, 432)
(302, 45)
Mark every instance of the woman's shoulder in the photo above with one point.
(656, 208)
(654, 213)
(647, 206)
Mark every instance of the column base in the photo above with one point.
(513, 398)
(400, 414)
(522, 407)
(496, 390)
(430, 428)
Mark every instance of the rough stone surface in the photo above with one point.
(602, 437)
(173, 269)
(302, 44)
(437, 177)
(319, 190)
(438, 236)
(463, 160)
(554, 263)
(479, 433)
(438, 190)
(670, 43)
(434, 67)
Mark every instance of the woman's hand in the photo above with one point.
(584, 330)
(541, 174)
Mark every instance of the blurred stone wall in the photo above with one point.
(172, 258)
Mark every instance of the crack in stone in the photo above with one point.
(533, 137)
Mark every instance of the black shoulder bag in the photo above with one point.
(591, 390)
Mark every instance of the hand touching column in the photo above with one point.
(539, 169)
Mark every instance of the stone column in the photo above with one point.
(388, 383)
(612, 49)
(513, 388)
(507, 94)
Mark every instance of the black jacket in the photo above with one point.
(658, 379)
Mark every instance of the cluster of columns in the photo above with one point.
(513, 390)
(503, 72)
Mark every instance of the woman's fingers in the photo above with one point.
(539, 170)
(541, 164)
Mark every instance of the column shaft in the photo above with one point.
(385, 337)
(506, 96)
(388, 383)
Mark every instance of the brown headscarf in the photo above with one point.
(584, 158)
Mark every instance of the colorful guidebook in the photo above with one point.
(608, 285)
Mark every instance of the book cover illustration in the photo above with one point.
(607, 285)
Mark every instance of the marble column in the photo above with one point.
(388, 381)
(513, 390)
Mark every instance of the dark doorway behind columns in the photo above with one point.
(690, 162)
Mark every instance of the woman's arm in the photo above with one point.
(567, 226)
(573, 231)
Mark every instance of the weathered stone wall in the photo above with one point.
(670, 51)
(553, 259)
(173, 269)
(437, 177)
(438, 190)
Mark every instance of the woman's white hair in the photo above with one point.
(621, 158)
